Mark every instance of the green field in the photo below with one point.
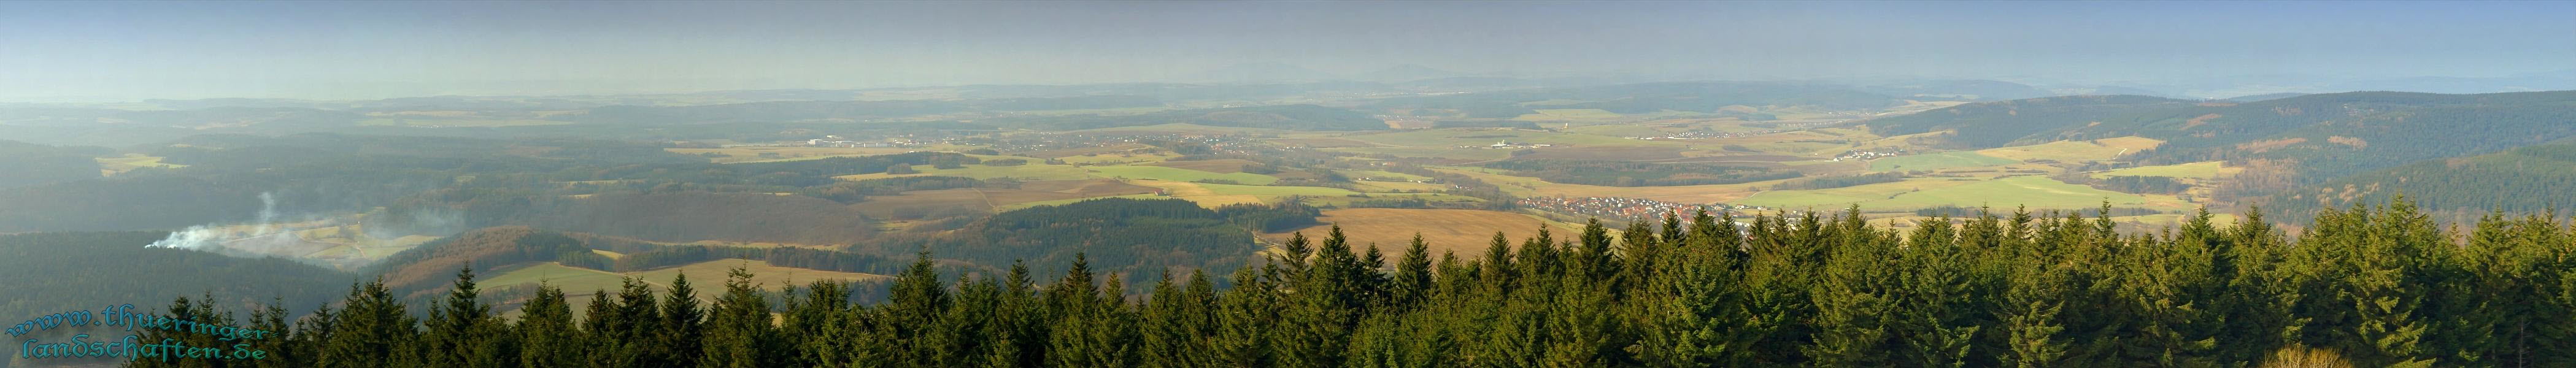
(1177, 174)
(570, 279)
(2034, 191)
(131, 161)
(1264, 190)
(1937, 161)
(2198, 170)
(1836, 198)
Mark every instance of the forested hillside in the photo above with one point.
(2000, 123)
(2366, 286)
(2523, 180)
(56, 272)
(1132, 236)
(2334, 134)
(29, 163)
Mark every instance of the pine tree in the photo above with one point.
(1596, 259)
(682, 324)
(1178, 321)
(1247, 316)
(1413, 278)
(373, 330)
(547, 334)
(739, 333)
(463, 332)
(272, 317)
(305, 347)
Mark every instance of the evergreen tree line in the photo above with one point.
(2366, 286)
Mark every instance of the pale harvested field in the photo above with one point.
(2133, 143)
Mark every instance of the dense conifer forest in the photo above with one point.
(2366, 286)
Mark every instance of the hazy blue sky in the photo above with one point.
(92, 50)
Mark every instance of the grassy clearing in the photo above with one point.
(2133, 143)
(1462, 232)
(763, 273)
(2033, 191)
(131, 161)
(2196, 170)
(2061, 151)
(1178, 174)
(1937, 161)
(568, 278)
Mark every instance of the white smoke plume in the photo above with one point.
(265, 236)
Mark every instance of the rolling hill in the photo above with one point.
(2326, 135)
(2522, 180)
